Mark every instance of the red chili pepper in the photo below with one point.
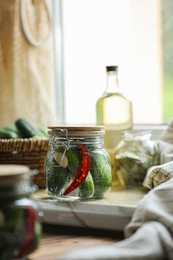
(30, 233)
(82, 172)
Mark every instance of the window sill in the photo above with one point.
(157, 130)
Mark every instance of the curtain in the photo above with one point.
(26, 62)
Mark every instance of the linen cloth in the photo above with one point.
(158, 174)
(149, 235)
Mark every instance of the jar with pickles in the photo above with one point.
(135, 153)
(76, 166)
(20, 229)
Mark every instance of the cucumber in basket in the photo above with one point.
(27, 129)
(9, 132)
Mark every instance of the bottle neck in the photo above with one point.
(112, 85)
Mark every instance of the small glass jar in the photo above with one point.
(20, 229)
(135, 153)
(76, 166)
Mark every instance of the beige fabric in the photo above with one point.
(158, 174)
(26, 62)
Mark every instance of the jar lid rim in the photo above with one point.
(77, 129)
(12, 172)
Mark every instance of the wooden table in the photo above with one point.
(56, 241)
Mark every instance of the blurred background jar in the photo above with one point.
(135, 153)
(20, 229)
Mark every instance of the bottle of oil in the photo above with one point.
(114, 111)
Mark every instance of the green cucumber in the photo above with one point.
(56, 176)
(100, 169)
(27, 129)
(7, 134)
(86, 190)
(73, 157)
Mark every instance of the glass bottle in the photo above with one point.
(114, 111)
(76, 166)
(20, 228)
(135, 153)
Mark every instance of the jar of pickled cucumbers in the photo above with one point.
(76, 166)
(135, 153)
(20, 229)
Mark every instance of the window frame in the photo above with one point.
(157, 129)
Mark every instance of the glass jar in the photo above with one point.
(76, 166)
(135, 153)
(20, 229)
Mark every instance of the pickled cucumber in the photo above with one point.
(100, 169)
(73, 157)
(56, 176)
(86, 190)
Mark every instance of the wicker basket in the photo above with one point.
(29, 152)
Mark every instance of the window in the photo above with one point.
(133, 34)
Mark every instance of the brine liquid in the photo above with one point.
(113, 111)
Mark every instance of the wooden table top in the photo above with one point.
(55, 244)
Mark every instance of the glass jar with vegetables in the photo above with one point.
(135, 153)
(20, 229)
(76, 166)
